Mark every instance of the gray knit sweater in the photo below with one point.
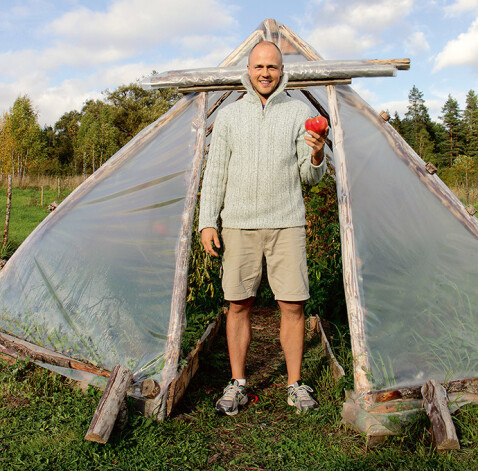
(257, 160)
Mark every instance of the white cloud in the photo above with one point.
(135, 25)
(460, 51)
(417, 43)
(355, 25)
(461, 6)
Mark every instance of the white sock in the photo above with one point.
(241, 381)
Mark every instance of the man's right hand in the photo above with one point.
(208, 236)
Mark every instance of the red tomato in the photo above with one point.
(318, 124)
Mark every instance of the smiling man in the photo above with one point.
(259, 155)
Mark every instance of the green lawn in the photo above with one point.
(26, 212)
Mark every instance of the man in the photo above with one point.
(258, 156)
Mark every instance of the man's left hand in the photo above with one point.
(317, 142)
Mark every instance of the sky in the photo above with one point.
(62, 53)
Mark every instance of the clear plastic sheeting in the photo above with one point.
(417, 262)
(94, 281)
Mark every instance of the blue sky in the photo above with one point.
(62, 53)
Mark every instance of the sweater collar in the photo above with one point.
(253, 97)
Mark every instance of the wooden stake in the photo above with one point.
(435, 404)
(41, 198)
(58, 188)
(7, 214)
(110, 404)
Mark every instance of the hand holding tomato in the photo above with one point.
(318, 124)
(317, 129)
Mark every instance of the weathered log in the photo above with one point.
(24, 349)
(178, 298)
(8, 210)
(52, 206)
(349, 257)
(150, 388)
(110, 405)
(469, 385)
(435, 405)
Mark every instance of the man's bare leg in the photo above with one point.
(292, 331)
(238, 330)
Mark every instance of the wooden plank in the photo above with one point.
(24, 349)
(435, 404)
(110, 404)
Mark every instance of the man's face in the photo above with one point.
(265, 70)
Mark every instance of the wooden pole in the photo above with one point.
(349, 258)
(23, 349)
(8, 210)
(178, 299)
(435, 404)
(110, 404)
(41, 198)
(58, 187)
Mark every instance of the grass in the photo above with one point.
(26, 212)
(43, 419)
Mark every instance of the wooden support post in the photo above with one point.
(58, 187)
(110, 405)
(435, 405)
(150, 388)
(349, 260)
(41, 198)
(9, 208)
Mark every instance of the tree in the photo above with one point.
(452, 121)
(97, 138)
(417, 127)
(23, 136)
(66, 133)
(470, 117)
(464, 168)
(134, 108)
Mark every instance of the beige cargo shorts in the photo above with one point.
(284, 252)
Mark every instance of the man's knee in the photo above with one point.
(291, 308)
(241, 307)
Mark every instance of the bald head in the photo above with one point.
(264, 45)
